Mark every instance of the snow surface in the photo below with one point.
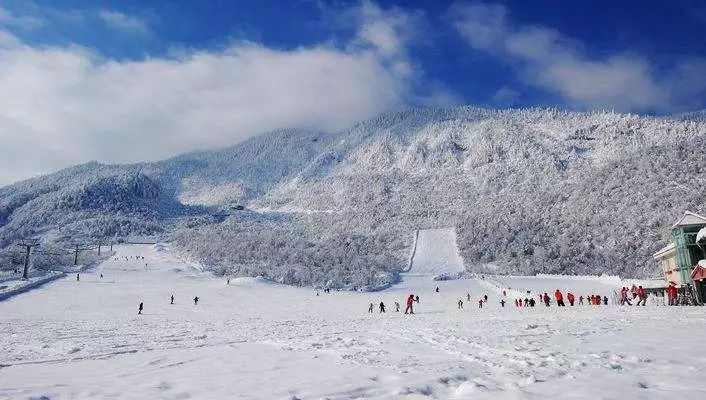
(254, 339)
(701, 235)
(436, 252)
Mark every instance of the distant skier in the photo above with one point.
(502, 303)
(580, 300)
(517, 304)
(370, 308)
(196, 300)
(228, 281)
(382, 307)
(437, 289)
(532, 302)
(78, 278)
(139, 310)
(101, 276)
(410, 304)
(605, 300)
(468, 297)
(526, 302)
(570, 297)
(504, 293)
(480, 303)
(460, 304)
(546, 299)
(485, 297)
(172, 299)
(397, 306)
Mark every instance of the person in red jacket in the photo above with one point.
(559, 298)
(570, 297)
(672, 295)
(546, 299)
(410, 305)
(641, 297)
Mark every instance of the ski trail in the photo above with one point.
(436, 252)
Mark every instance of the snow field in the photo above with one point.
(258, 340)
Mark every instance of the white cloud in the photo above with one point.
(65, 105)
(123, 22)
(28, 22)
(547, 59)
(505, 96)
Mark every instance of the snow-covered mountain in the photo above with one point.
(527, 190)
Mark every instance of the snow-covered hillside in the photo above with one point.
(255, 339)
(529, 191)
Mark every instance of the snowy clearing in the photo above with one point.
(258, 340)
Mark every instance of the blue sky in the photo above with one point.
(184, 75)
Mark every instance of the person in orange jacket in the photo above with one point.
(559, 298)
(570, 297)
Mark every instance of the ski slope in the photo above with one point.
(253, 339)
(436, 252)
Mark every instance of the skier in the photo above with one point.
(559, 298)
(546, 299)
(504, 293)
(516, 305)
(526, 302)
(196, 300)
(605, 300)
(437, 289)
(172, 299)
(624, 296)
(460, 304)
(485, 297)
(570, 297)
(228, 281)
(642, 298)
(382, 307)
(480, 303)
(410, 305)
(139, 310)
(580, 300)
(78, 278)
(101, 276)
(468, 297)
(370, 308)
(532, 302)
(502, 303)
(672, 295)
(397, 307)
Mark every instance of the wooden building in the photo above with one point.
(679, 260)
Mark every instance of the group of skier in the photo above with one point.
(636, 293)
(411, 299)
(171, 301)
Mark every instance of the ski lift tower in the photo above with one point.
(28, 244)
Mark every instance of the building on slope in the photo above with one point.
(679, 260)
